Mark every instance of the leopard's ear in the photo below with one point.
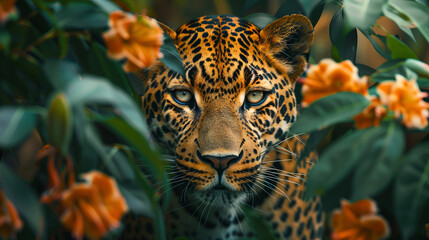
(168, 30)
(288, 39)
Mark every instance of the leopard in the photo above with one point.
(224, 123)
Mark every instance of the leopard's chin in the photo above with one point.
(220, 197)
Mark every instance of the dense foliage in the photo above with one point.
(59, 88)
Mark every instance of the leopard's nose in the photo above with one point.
(220, 162)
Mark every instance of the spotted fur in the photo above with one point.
(226, 151)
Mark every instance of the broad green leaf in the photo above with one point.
(379, 161)
(260, 19)
(24, 199)
(137, 201)
(93, 59)
(410, 14)
(124, 170)
(316, 12)
(290, 7)
(399, 49)
(107, 6)
(332, 109)
(403, 22)
(138, 6)
(339, 158)
(81, 15)
(171, 59)
(15, 83)
(368, 34)
(388, 70)
(423, 82)
(412, 189)
(364, 70)
(60, 73)
(363, 13)
(421, 68)
(16, 123)
(309, 6)
(93, 90)
(141, 180)
(248, 4)
(138, 141)
(343, 36)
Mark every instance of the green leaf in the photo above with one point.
(93, 60)
(412, 189)
(364, 70)
(290, 7)
(368, 34)
(403, 22)
(171, 59)
(421, 68)
(399, 49)
(137, 201)
(137, 140)
(81, 15)
(93, 90)
(24, 199)
(60, 73)
(388, 70)
(63, 41)
(309, 6)
(336, 108)
(362, 13)
(120, 161)
(316, 12)
(379, 161)
(16, 123)
(107, 6)
(260, 19)
(15, 83)
(248, 4)
(410, 13)
(4, 40)
(338, 160)
(343, 36)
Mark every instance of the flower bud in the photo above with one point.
(59, 122)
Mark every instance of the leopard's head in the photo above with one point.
(234, 103)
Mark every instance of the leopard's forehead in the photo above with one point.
(220, 49)
(224, 38)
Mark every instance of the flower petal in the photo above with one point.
(376, 225)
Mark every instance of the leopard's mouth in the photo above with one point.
(220, 196)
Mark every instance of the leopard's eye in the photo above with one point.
(255, 98)
(182, 96)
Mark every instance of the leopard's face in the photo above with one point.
(234, 103)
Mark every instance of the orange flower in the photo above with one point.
(329, 77)
(93, 208)
(358, 221)
(405, 99)
(9, 218)
(7, 7)
(56, 182)
(136, 38)
(371, 115)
